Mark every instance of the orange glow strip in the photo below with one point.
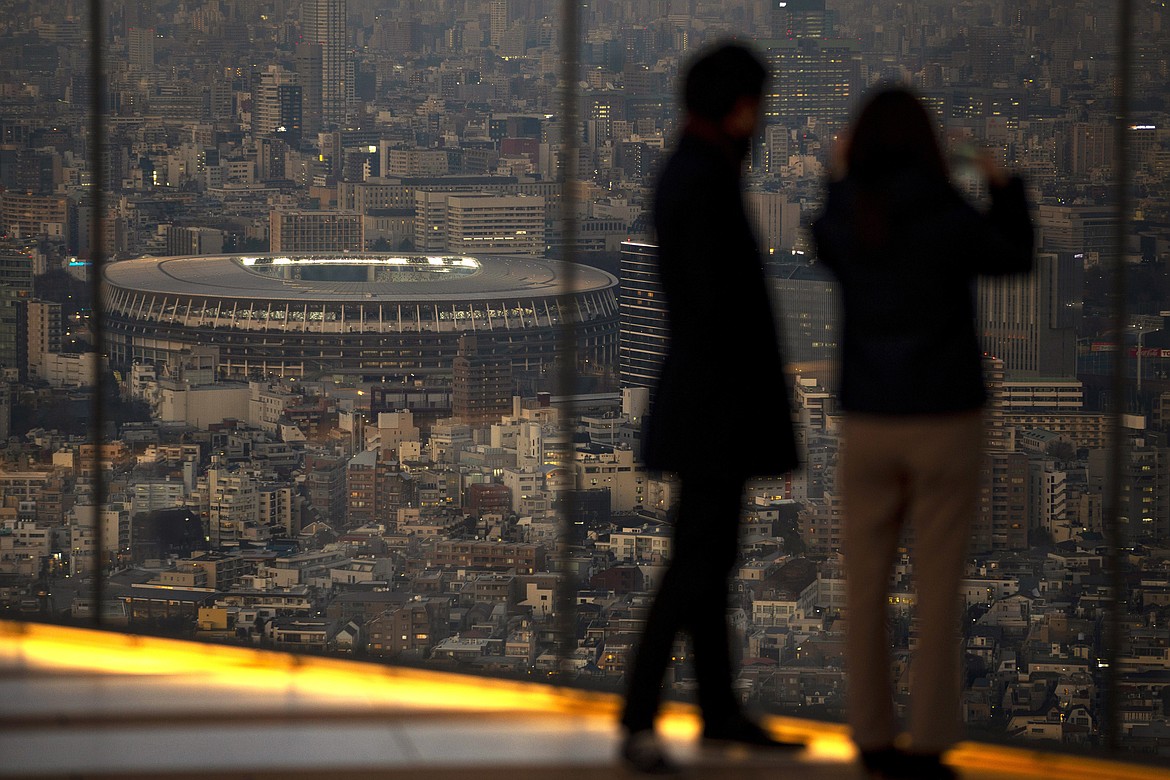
(47, 648)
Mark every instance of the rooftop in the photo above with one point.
(335, 278)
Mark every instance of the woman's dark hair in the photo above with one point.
(893, 133)
(721, 76)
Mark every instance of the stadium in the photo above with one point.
(370, 317)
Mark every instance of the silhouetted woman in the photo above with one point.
(906, 248)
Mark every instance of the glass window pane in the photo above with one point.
(381, 321)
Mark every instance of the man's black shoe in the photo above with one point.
(642, 753)
(745, 732)
(890, 763)
(885, 762)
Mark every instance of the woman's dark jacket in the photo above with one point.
(721, 403)
(907, 257)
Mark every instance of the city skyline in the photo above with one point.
(334, 245)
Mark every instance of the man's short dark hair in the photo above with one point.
(719, 77)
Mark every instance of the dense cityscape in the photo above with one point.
(344, 280)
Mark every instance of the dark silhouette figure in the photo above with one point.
(906, 249)
(723, 356)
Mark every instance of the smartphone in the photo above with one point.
(964, 154)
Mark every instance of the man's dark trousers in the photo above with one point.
(693, 597)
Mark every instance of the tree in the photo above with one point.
(60, 286)
(1062, 450)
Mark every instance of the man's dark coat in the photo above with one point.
(722, 398)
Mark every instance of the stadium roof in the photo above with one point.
(422, 278)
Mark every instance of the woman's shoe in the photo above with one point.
(882, 762)
(891, 763)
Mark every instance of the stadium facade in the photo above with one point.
(371, 317)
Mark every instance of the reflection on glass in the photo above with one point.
(335, 308)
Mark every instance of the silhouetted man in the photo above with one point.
(720, 413)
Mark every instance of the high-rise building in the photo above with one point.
(325, 486)
(430, 221)
(811, 78)
(277, 103)
(323, 23)
(38, 172)
(308, 63)
(272, 159)
(802, 19)
(412, 162)
(488, 498)
(775, 219)
(1030, 321)
(481, 388)
(997, 434)
(808, 313)
(776, 147)
(600, 113)
(497, 21)
(228, 503)
(1029, 396)
(1048, 498)
(16, 280)
(1086, 230)
(360, 488)
(1001, 521)
(1145, 484)
(642, 312)
(1091, 146)
(5, 410)
(290, 102)
(636, 159)
(410, 629)
(316, 231)
(193, 240)
(44, 331)
(639, 44)
(30, 216)
(474, 223)
(140, 47)
(496, 223)
(1146, 490)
